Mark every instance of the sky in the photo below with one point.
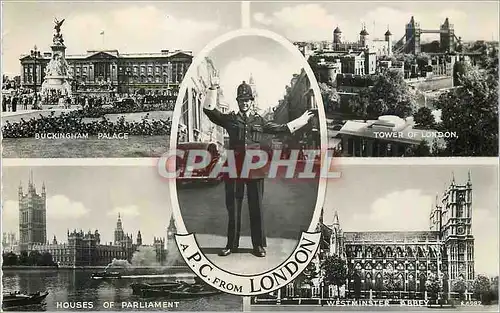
(473, 20)
(400, 197)
(90, 198)
(271, 65)
(130, 27)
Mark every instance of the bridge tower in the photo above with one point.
(447, 37)
(412, 35)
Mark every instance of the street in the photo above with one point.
(288, 208)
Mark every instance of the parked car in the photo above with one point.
(198, 175)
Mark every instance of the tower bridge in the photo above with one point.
(410, 42)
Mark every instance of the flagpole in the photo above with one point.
(102, 35)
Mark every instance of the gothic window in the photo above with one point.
(379, 253)
(420, 252)
(389, 267)
(400, 267)
(421, 267)
(411, 267)
(409, 252)
(433, 266)
(368, 266)
(379, 266)
(422, 280)
(369, 252)
(379, 282)
(359, 252)
(461, 252)
(368, 282)
(399, 252)
(432, 254)
(388, 252)
(411, 283)
(358, 266)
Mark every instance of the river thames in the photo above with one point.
(76, 286)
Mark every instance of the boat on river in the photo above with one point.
(183, 291)
(16, 299)
(169, 285)
(106, 275)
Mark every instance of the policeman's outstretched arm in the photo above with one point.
(300, 122)
(210, 102)
(211, 97)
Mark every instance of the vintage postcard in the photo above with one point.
(250, 156)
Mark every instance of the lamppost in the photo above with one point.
(35, 55)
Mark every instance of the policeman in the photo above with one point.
(245, 129)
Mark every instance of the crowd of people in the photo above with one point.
(69, 123)
(19, 100)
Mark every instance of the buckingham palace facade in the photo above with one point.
(109, 70)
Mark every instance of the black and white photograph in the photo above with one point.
(249, 92)
(399, 79)
(99, 79)
(421, 237)
(105, 237)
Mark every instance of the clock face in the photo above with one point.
(461, 197)
(460, 230)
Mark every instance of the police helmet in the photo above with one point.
(244, 92)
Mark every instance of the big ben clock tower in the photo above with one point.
(457, 233)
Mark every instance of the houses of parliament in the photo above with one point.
(81, 248)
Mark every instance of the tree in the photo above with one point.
(34, 257)
(330, 96)
(471, 111)
(420, 150)
(23, 258)
(305, 279)
(424, 118)
(459, 286)
(46, 259)
(392, 281)
(481, 287)
(460, 68)
(494, 289)
(390, 95)
(10, 258)
(334, 272)
(309, 273)
(433, 285)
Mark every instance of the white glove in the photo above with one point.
(300, 122)
(214, 79)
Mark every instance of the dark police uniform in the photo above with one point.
(245, 133)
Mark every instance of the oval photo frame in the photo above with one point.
(308, 244)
